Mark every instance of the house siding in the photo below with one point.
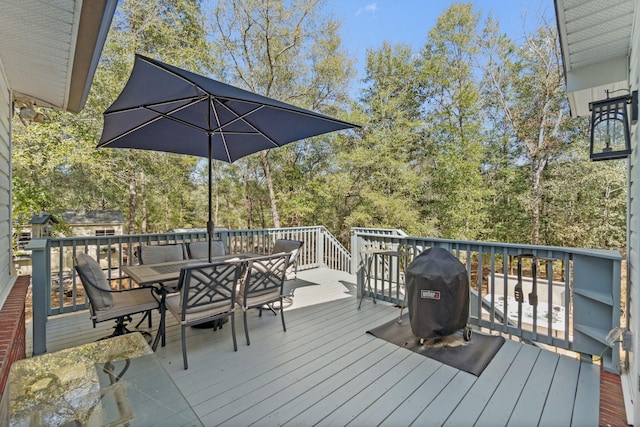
(12, 298)
(7, 279)
(633, 238)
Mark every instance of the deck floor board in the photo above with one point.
(507, 393)
(325, 370)
(421, 398)
(447, 400)
(534, 394)
(375, 390)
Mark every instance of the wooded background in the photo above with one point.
(469, 137)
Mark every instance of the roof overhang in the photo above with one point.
(49, 51)
(595, 37)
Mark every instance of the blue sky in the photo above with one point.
(368, 23)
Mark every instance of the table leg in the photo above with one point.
(161, 327)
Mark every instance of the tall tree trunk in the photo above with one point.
(132, 201)
(272, 194)
(605, 213)
(248, 199)
(143, 194)
(166, 213)
(536, 196)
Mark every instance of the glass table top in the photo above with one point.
(113, 382)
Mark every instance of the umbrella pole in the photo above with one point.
(210, 227)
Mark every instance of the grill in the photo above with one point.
(438, 295)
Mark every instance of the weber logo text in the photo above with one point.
(429, 294)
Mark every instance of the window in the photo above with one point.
(105, 232)
(23, 239)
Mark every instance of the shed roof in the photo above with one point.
(93, 217)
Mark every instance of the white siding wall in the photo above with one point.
(6, 278)
(633, 252)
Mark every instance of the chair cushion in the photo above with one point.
(199, 250)
(153, 254)
(173, 304)
(256, 299)
(97, 288)
(127, 302)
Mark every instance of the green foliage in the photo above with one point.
(468, 137)
(291, 51)
(378, 182)
(455, 155)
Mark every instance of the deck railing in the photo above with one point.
(578, 290)
(573, 303)
(57, 288)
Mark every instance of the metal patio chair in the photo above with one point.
(199, 250)
(107, 304)
(293, 247)
(263, 285)
(154, 254)
(207, 293)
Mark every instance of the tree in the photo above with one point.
(469, 138)
(455, 152)
(284, 50)
(529, 89)
(377, 183)
(506, 178)
(585, 202)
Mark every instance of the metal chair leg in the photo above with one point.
(184, 348)
(284, 327)
(233, 331)
(246, 329)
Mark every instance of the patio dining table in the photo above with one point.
(157, 274)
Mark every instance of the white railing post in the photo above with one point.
(320, 236)
(356, 264)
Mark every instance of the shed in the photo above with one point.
(95, 222)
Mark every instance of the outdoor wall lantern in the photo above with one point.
(610, 132)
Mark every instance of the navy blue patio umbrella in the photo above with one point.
(169, 109)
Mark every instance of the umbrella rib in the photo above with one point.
(169, 116)
(238, 116)
(191, 99)
(161, 116)
(130, 131)
(301, 111)
(292, 108)
(242, 117)
(224, 140)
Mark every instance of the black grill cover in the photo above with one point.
(437, 294)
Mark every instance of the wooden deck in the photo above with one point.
(325, 370)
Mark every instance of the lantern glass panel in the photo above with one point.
(609, 129)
